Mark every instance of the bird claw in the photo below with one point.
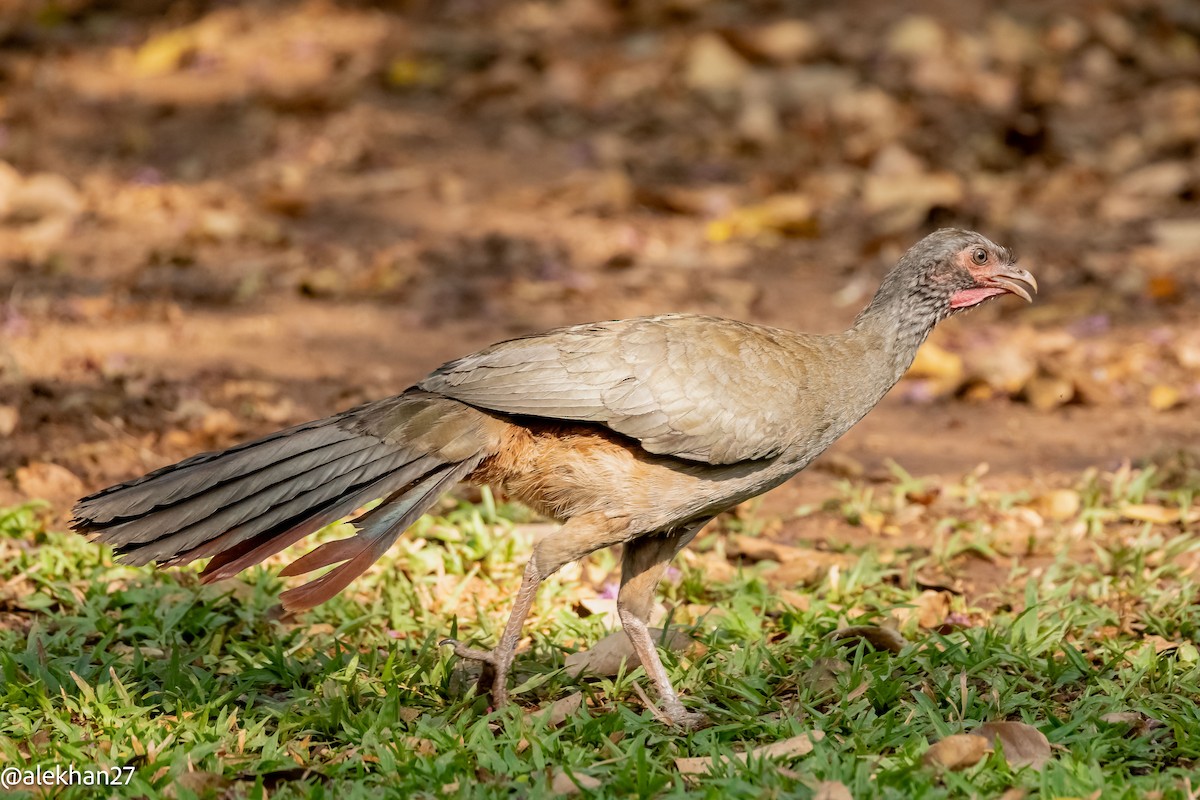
(469, 653)
(492, 678)
(675, 714)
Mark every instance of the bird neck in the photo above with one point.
(895, 324)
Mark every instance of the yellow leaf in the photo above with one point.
(780, 214)
(406, 72)
(163, 53)
(1158, 515)
(942, 368)
(1164, 398)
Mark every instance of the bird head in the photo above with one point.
(948, 271)
(964, 268)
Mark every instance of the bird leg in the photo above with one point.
(642, 566)
(574, 540)
(498, 662)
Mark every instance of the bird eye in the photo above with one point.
(980, 255)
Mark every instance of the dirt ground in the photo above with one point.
(220, 218)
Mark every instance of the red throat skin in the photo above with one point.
(965, 298)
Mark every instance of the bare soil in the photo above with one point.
(263, 212)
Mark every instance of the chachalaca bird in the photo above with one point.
(633, 432)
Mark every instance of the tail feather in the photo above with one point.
(252, 516)
(235, 501)
(168, 485)
(229, 559)
(384, 525)
(251, 501)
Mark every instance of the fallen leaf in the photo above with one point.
(1138, 723)
(781, 214)
(1182, 235)
(900, 201)
(1160, 644)
(1164, 398)
(808, 570)
(420, 746)
(1048, 393)
(795, 746)
(558, 711)
(932, 608)
(832, 790)
(878, 637)
(942, 369)
(1059, 504)
(569, 783)
(607, 655)
(1005, 367)
(753, 548)
(1024, 745)
(783, 42)
(822, 678)
(9, 417)
(164, 53)
(42, 480)
(43, 195)
(713, 66)
(957, 751)
(200, 783)
(1158, 515)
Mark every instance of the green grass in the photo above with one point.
(204, 694)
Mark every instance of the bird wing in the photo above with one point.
(694, 387)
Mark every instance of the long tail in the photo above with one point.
(241, 505)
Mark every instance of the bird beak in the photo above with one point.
(1015, 280)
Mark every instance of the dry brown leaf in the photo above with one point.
(796, 600)
(557, 712)
(1004, 368)
(900, 200)
(713, 66)
(753, 548)
(832, 790)
(795, 746)
(420, 745)
(929, 610)
(1158, 515)
(1139, 724)
(878, 637)
(783, 42)
(564, 783)
(1024, 745)
(200, 783)
(1159, 643)
(942, 369)
(957, 751)
(806, 571)
(9, 416)
(42, 480)
(1058, 504)
(606, 656)
(1048, 393)
(823, 677)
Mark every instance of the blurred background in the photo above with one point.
(220, 218)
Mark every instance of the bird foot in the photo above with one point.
(469, 653)
(686, 720)
(493, 680)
